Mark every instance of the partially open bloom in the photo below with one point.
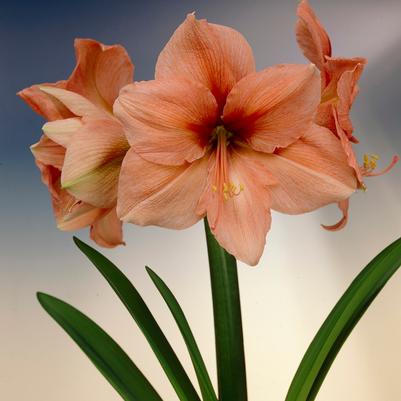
(339, 77)
(81, 150)
(210, 136)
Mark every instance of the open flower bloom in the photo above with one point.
(210, 136)
(81, 150)
(339, 77)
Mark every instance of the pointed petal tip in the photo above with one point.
(337, 226)
(343, 206)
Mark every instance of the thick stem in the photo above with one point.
(227, 322)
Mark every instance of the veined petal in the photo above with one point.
(107, 231)
(71, 215)
(166, 196)
(335, 67)
(214, 55)
(100, 73)
(347, 90)
(43, 104)
(347, 148)
(274, 107)
(311, 36)
(50, 176)
(311, 173)
(238, 210)
(93, 161)
(49, 152)
(324, 115)
(167, 122)
(76, 103)
(61, 131)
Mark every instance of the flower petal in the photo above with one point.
(311, 36)
(214, 55)
(343, 206)
(167, 122)
(240, 221)
(76, 103)
(43, 104)
(347, 148)
(274, 107)
(50, 176)
(335, 67)
(70, 214)
(101, 72)
(107, 231)
(166, 196)
(48, 152)
(311, 173)
(347, 90)
(93, 161)
(61, 131)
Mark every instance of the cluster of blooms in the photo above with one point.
(209, 136)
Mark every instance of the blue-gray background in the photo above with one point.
(304, 269)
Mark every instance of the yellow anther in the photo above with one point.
(370, 161)
(214, 188)
(241, 187)
(365, 160)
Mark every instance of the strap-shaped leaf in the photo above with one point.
(102, 350)
(340, 322)
(204, 381)
(230, 356)
(145, 321)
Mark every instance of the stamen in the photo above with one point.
(370, 164)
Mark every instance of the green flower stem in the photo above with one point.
(230, 356)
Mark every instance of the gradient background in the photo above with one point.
(304, 269)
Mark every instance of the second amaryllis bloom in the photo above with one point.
(212, 137)
(339, 78)
(81, 150)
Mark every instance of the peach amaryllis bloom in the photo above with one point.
(212, 137)
(81, 150)
(339, 77)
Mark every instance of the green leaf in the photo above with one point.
(145, 321)
(102, 350)
(205, 383)
(230, 356)
(340, 322)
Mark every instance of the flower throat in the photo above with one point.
(220, 140)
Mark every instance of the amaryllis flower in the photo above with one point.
(210, 136)
(81, 150)
(339, 78)
(339, 75)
